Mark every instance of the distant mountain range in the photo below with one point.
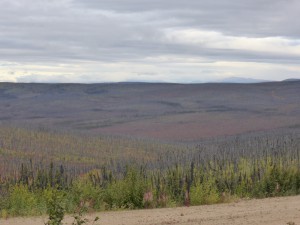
(291, 79)
(243, 80)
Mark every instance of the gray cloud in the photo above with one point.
(235, 17)
(132, 31)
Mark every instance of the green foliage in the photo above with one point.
(126, 193)
(138, 188)
(22, 202)
(175, 183)
(205, 192)
(83, 190)
(55, 207)
(4, 214)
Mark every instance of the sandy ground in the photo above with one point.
(273, 211)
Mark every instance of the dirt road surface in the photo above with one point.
(272, 211)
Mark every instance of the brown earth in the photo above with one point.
(272, 211)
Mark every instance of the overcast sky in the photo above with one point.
(142, 40)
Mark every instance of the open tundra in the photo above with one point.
(173, 112)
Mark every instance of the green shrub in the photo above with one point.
(55, 206)
(22, 202)
(4, 214)
(83, 190)
(205, 192)
(126, 193)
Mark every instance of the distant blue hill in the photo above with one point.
(291, 79)
(241, 80)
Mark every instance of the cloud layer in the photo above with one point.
(126, 40)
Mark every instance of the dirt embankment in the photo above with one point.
(273, 211)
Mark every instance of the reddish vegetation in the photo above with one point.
(195, 126)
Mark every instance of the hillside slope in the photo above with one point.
(181, 112)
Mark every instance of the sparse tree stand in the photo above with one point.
(171, 176)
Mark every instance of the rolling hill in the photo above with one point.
(172, 112)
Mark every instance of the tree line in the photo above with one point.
(212, 171)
